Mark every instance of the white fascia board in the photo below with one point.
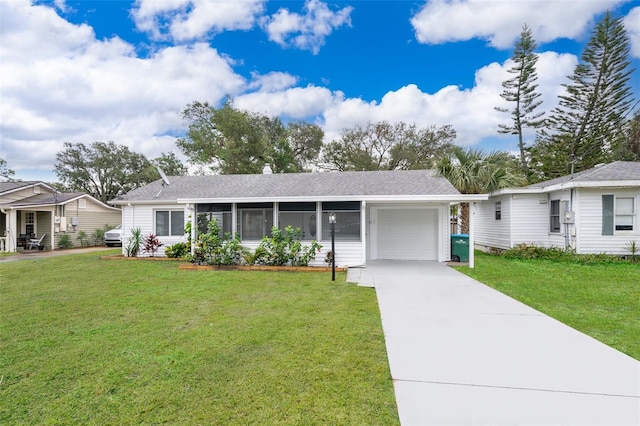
(597, 184)
(509, 191)
(143, 202)
(91, 197)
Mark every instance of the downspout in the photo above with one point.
(472, 213)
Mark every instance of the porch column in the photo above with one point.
(53, 230)
(12, 230)
(472, 214)
(363, 230)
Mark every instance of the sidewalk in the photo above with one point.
(462, 353)
(43, 254)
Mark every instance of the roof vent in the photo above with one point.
(267, 169)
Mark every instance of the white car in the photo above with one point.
(113, 237)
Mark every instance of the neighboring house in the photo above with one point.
(32, 209)
(593, 211)
(380, 215)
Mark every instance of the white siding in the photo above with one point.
(141, 216)
(589, 223)
(525, 219)
(490, 232)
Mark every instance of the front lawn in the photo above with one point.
(89, 341)
(601, 300)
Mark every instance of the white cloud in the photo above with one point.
(59, 84)
(73, 88)
(295, 102)
(272, 82)
(470, 111)
(632, 24)
(308, 31)
(500, 22)
(187, 20)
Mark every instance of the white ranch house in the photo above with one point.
(593, 211)
(380, 215)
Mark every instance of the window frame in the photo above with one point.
(498, 210)
(267, 216)
(308, 211)
(340, 208)
(631, 215)
(553, 215)
(170, 223)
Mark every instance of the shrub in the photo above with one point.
(177, 250)
(134, 242)
(633, 248)
(525, 251)
(83, 238)
(285, 248)
(65, 241)
(152, 244)
(210, 249)
(98, 236)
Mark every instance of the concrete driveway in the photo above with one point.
(462, 353)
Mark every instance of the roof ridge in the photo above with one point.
(594, 169)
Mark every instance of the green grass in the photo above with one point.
(601, 300)
(89, 341)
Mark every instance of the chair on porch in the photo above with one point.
(35, 242)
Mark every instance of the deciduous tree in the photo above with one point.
(5, 172)
(101, 169)
(231, 141)
(386, 146)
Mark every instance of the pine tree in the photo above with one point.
(521, 89)
(589, 120)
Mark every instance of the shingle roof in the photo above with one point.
(616, 171)
(408, 183)
(44, 199)
(10, 186)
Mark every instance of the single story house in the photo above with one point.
(380, 214)
(32, 209)
(592, 211)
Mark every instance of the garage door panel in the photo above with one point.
(409, 234)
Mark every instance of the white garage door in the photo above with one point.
(407, 234)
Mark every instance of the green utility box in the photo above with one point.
(460, 247)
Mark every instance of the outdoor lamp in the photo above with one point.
(332, 221)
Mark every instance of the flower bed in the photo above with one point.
(192, 267)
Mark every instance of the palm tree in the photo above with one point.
(472, 171)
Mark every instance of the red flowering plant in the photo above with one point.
(152, 244)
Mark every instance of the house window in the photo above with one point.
(82, 204)
(498, 207)
(220, 212)
(30, 223)
(169, 223)
(298, 215)
(624, 213)
(255, 220)
(347, 220)
(554, 216)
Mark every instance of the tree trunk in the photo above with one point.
(464, 218)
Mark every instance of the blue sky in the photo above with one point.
(85, 71)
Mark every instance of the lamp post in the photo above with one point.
(332, 221)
